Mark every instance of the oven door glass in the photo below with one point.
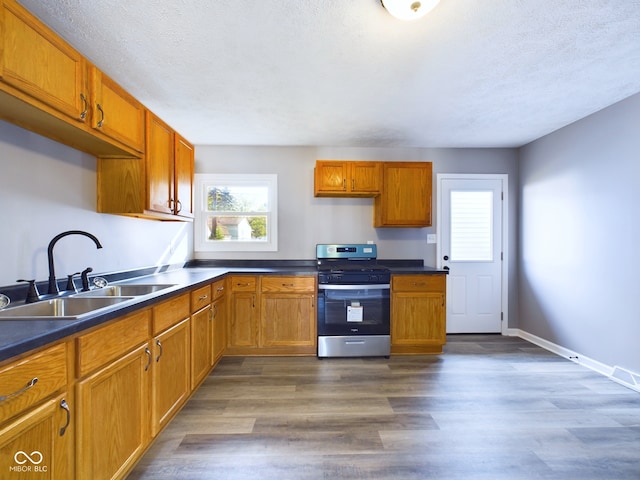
(358, 311)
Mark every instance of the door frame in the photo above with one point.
(504, 178)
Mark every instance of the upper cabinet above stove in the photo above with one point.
(347, 179)
(401, 190)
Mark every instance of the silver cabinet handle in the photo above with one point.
(101, 121)
(203, 297)
(179, 206)
(148, 352)
(83, 114)
(64, 405)
(29, 384)
(159, 354)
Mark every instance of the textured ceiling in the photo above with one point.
(473, 73)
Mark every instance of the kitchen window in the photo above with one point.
(236, 213)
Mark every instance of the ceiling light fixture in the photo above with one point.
(409, 9)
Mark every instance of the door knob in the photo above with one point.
(445, 268)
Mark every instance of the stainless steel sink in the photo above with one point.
(124, 290)
(60, 308)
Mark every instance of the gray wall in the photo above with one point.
(305, 220)
(47, 188)
(579, 284)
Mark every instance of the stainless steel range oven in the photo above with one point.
(353, 301)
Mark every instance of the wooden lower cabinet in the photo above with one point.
(171, 366)
(201, 344)
(288, 314)
(219, 319)
(113, 417)
(39, 443)
(272, 315)
(418, 313)
(37, 415)
(242, 335)
(170, 384)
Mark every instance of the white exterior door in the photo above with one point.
(470, 246)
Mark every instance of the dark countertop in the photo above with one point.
(21, 336)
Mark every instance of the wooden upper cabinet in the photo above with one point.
(346, 179)
(405, 200)
(183, 167)
(170, 160)
(48, 87)
(40, 64)
(115, 113)
(159, 156)
(159, 187)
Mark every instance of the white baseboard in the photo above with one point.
(617, 374)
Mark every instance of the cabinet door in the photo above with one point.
(418, 319)
(243, 325)
(171, 373)
(113, 426)
(37, 445)
(288, 320)
(159, 158)
(405, 200)
(37, 62)
(219, 328)
(116, 113)
(201, 348)
(330, 177)
(366, 178)
(184, 158)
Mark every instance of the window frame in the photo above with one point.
(202, 244)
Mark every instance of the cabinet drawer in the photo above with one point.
(111, 342)
(27, 381)
(170, 312)
(218, 289)
(288, 284)
(200, 298)
(243, 283)
(418, 283)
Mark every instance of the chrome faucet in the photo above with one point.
(53, 286)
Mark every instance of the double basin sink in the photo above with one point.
(81, 304)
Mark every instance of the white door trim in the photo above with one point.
(505, 231)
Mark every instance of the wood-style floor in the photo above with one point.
(491, 408)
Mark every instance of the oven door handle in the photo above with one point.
(384, 286)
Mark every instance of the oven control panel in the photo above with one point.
(354, 278)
